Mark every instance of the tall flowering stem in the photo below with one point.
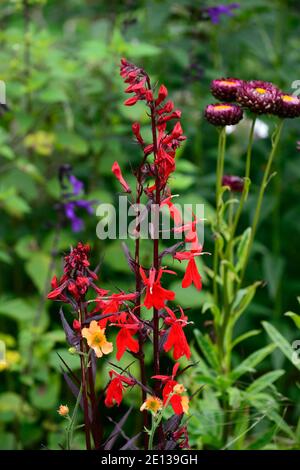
(94, 318)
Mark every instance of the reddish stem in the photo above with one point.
(156, 261)
(84, 388)
(138, 308)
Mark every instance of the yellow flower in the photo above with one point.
(178, 389)
(63, 410)
(96, 339)
(185, 404)
(153, 404)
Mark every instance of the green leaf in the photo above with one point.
(234, 395)
(242, 249)
(37, 269)
(16, 309)
(207, 349)
(294, 317)
(244, 336)
(243, 299)
(282, 344)
(249, 364)
(45, 395)
(264, 381)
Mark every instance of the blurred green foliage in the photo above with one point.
(59, 61)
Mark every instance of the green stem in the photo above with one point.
(247, 180)
(220, 169)
(265, 180)
(70, 428)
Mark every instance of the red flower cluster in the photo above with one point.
(77, 277)
(163, 112)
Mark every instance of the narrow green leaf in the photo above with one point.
(282, 344)
(207, 349)
(249, 364)
(244, 336)
(242, 249)
(264, 381)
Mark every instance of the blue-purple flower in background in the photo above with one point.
(72, 198)
(217, 11)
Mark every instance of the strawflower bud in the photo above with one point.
(288, 107)
(235, 183)
(223, 114)
(225, 89)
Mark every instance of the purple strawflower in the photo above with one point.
(214, 13)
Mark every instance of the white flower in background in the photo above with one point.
(261, 129)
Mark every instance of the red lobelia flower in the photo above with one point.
(172, 392)
(118, 174)
(156, 295)
(176, 338)
(191, 275)
(129, 326)
(115, 389)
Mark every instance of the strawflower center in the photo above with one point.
(222, 107)
(260, 90)
(290, 99)
(227, 83)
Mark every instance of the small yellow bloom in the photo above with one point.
(153, 404)
(63, 410)
(96, 339)
(185, 404)
(179, 389)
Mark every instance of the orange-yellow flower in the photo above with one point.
(63, 410)
(185, 404)
(153, 404)
(96, 339)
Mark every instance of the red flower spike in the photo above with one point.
(118, 174)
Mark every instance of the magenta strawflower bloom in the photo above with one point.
(289, 106)
(223, 114)
(235, 183)
(225, 89)
(258, 96)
